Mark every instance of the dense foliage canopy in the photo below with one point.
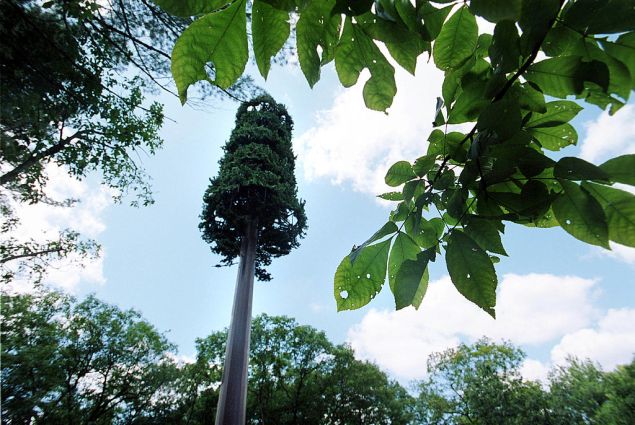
(513, 90)
(65, 361)
(87, 362)
(256, 183)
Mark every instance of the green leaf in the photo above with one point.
(469, 103)
(572, 168)
(355, 284)
(411, 282)
(391, 196)
(557, 113)
(219, 37)
(555, 138)
(623, 49)
(187, 8)
(471, 271)
(531, 162)
(456, 41)
(566, 75)
(433, 20)
(407, 13)
(403, 45)
(536, 18)
(352, 7)
(503, 117)
(485, 233)
(601, 16)
(385, 230)
(423, 164)
(529, 98)
(496, 10)
(619, 207)
(270, 30)
(399, 173)
(504, 52)
(404, 248)
(535, 200)
(621, 169)
(316, 27)
(429, 232)
(357, 51)
(581, 215)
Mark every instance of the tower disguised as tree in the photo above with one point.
(251, 211)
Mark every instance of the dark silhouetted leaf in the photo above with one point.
(581, 215)
(411, 282)
(471, 271)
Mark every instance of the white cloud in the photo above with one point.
(610, 343)
(533, 309)
(609, 136)
(354, 145)
(41, 222)
(621, 253)
(535, 370)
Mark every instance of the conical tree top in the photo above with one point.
(256, 182)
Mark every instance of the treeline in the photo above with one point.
(66, 361)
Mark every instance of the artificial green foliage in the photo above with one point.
(515, 93)
(255, 183)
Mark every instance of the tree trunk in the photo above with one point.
(232, 402)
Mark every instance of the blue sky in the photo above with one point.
(557, 296)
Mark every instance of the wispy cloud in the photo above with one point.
(353, 145)
(609, 136)
(41, 222)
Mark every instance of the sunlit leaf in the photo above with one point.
(399, 173)
(557, 113)
(270, 29)
(404, 248)
(456, 41)
(356, 52)
(387, 229)
(355, 284)
(555, 138)
(317, 29)
(219, 37)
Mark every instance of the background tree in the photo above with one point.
(251, 210)
(298, 377)
(75, 75)
(480, 384)
(66, 361)
(459, 194)
(88, 362)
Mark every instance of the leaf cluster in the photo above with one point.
(518, 89)
(255, 183)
